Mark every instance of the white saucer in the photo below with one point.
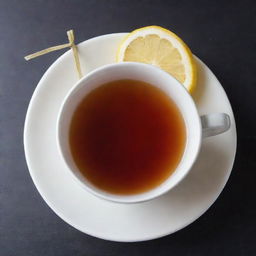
(112, 221)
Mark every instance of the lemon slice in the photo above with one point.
(160, 47)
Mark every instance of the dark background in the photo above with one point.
(221, 33)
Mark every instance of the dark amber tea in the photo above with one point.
(127, 137)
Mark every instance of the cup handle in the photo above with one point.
(214, 124)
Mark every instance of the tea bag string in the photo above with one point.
(71, 44)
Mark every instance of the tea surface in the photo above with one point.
(127, 137)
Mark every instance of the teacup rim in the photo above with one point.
(133, 198)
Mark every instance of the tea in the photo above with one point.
(127, 137)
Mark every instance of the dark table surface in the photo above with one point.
(221, 33)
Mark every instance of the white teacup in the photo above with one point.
(196, 127)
